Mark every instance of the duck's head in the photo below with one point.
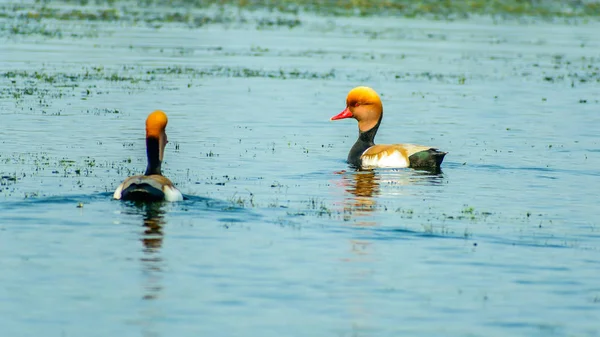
(156, 140)
(364, 105)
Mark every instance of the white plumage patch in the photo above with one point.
(117, 194)
(391, 160)
(172, 194)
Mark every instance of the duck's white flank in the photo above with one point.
(172, 194)
(394, 159)
(118, 191)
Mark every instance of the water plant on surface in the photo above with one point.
(407, 8)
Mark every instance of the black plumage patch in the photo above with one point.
(142, 192)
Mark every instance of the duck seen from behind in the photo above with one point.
(364, 105)
(152, 186)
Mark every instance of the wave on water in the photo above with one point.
(55, 208)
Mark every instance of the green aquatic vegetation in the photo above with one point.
(445, 9)
(28, 195)
(278, 22)
(93, 14)
(154, 15)
(39, 164)
(467, 233)
(468, 210)
(405, 213)
(259, 50)
(241, 201)
(74, 172)
(98, 111)
(194, 20)
(66, 80)
(29, 29)
(6, 181)
(445, 78)
(467, 213)
(222, 71)
(441, 229)
(317, 207)
(37, 95)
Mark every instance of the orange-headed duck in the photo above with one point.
(364, 105)
(152, 186)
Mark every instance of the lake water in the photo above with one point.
(279, 237)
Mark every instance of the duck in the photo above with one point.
(152, 186)
(364, 105)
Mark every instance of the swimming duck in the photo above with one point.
(152, 186)
(364, 105)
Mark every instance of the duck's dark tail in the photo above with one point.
(431, 158)
(142, 192)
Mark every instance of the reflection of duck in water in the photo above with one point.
(153, 226)
(152, 238)
(152, 186)
(364, 105)
(363, 186)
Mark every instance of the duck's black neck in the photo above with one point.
(153, 153)
(365, 140)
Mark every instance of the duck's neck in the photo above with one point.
(365, 140)
(153, 153)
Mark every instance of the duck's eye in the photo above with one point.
(356, 104)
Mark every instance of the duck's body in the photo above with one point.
(365, 106)
(402, 155)
(152, 186)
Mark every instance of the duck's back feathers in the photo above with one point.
(148, 188)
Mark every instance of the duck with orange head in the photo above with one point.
(152, 186)
(364, 105)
